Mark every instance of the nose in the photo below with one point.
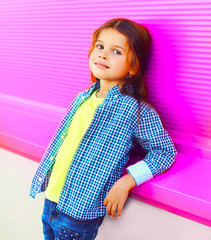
(103, 55)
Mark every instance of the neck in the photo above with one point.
(105, 86)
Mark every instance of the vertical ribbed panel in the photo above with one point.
(44, 55)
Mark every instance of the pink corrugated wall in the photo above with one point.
(44, 63)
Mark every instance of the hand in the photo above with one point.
(117, 196)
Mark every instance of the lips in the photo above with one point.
(101, 65)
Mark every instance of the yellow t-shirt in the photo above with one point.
(80, 123)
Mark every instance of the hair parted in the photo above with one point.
(137, 52)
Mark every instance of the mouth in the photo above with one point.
(100, 65)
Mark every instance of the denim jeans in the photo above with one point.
(57, 225)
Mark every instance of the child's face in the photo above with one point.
(109, 50)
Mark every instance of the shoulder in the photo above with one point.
(79, 95)
(146, 108)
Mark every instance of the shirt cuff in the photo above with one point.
(140, 172)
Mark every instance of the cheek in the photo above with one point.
(121, 62)
(90, 63)
(92, 56)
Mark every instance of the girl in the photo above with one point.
(82, 166)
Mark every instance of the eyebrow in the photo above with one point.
(114, 45)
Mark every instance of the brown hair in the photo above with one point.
(138, 53)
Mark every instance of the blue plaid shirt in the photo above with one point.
(103, 152)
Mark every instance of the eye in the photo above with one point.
(99, 46)
(117, 52)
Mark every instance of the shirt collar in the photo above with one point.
(113, 92)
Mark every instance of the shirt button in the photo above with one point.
(83, 97)
(40, 179)
(115, 96)
(62, 137)
(51, 158)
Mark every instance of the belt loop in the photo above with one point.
(53, 206)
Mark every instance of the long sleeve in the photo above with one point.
(160, 148)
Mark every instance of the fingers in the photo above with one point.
(111, 210)
(108, 208)
(105, 202)
(119, 210)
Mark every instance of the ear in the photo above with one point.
(133, 71)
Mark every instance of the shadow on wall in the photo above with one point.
(167, 88)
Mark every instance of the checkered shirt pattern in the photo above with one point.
(103, 152)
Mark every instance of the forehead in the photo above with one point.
(112, 36)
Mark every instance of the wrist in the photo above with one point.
(129, 181)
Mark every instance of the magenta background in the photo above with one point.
(44, 64)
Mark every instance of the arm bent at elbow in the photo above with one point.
(161, 152)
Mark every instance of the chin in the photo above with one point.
(99, 76)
